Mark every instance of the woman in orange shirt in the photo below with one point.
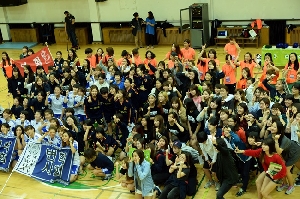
(150, 59)
(6, 65)
(175, 48)
(136, 59)
(291, 68)
(212, 55)
(268, 64)
(99, 55)
(248, 62)
(109, 54)
(187, 51)
(243, 81)
(229, 71)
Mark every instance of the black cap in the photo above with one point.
(66, 12)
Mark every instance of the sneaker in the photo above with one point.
(208, 184)
(240, 192)
(290, 190)
(282, 187)
(107, 177)
(298, 177)
(148, 47)
(217, 186)
(157, 189)
(297, 183)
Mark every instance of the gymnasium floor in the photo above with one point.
(87, 187)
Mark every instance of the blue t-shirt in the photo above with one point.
(149, 28)
(103, 162)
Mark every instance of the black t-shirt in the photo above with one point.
(103, 162)
(68, 21)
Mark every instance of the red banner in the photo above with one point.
(40, 58)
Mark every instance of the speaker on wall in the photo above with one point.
(5, 3)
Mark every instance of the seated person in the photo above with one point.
(101, 165)
(103, 143)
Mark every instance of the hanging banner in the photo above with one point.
(40, 58)
(45, 162)
(7, 145)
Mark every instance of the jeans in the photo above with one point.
(224, 188)
(72, 37)
(170, 192)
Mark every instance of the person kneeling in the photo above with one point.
(101, 165)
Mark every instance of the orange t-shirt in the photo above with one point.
(231, 50)
(171, 64)
(250, 66)
(229, 74)
(291, 75)
(8, 68)
(153, 62)
(119, 62)
(188, 53)
(241, 84)
(264, 75)
(138, 60)
(92, 60)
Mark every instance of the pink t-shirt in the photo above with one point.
(188, 53)
(231, 50)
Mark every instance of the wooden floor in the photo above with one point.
(20, 186)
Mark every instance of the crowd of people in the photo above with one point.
(186, 109)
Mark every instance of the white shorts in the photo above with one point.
(140, 192)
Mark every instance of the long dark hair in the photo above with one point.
(272, 149)
(151, 16)
(296, 62)
(188, 157)
(280, 130)
(97, 56)
(7, 59)
(141, 155)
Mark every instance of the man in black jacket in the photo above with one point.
(70, 28)
(136, 24)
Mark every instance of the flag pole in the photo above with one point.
(46, 43)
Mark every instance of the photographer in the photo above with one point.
(70, 29)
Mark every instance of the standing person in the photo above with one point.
(70, 28)
(226, 171)
(136, 25)
(7, 65)
(150, 30)
(232, 48)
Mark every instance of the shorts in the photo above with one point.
(15, 155)
(74, 169)
(106, 171)
(81, 118)
(147, 195)
(206, 166)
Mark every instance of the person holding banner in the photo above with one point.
(7, 114)
(69, 142)
(7, 65)
(50, 137)
(30, 135)
(5, 130)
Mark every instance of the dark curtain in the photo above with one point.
(277, 31)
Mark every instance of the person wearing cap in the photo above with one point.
(70, 28)
(136, 24)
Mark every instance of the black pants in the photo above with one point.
(160, 178)
(224, 188)
(170, 192)
(231, 88)
(149, 39)
(72, 37)
(244, 169)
